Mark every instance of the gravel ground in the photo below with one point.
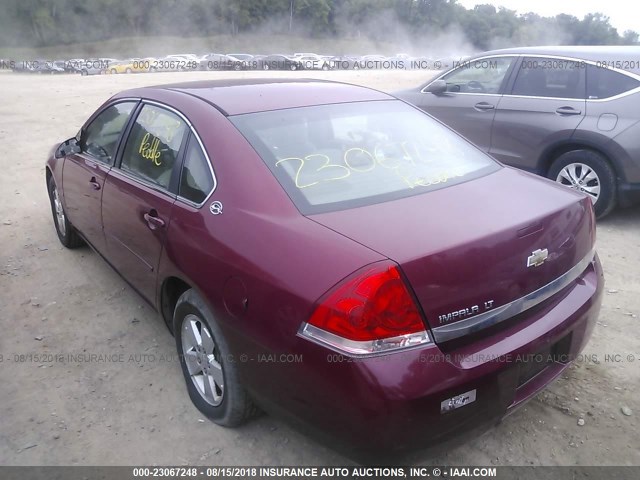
(136, 411)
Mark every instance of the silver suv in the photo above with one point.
(571, 114)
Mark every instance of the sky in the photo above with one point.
(623, 14)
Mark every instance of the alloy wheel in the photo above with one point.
(57, 205)
(581, 177)
(202, 358)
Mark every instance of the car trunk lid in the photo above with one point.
(477, 246)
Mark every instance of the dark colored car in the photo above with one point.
(245, 59)
(275, 62)
(344, 62)
(567, 113)
(67, 66)
(333, 255)
(45, 66)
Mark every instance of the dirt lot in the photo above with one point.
(56, 301)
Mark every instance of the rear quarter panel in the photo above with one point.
(260, 249)
(613, 126)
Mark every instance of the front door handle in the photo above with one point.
(153, 221)
(95, 185)
(484, 106)
(568, 111)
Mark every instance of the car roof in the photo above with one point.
(627, 56)
(240, 96)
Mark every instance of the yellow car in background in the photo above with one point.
(134, 65)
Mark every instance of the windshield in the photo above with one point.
(338, 156)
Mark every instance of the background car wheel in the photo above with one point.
(209, 369)
(590, 173)
(66, 232)
(128, 70)
(113, 71)
(293, 67)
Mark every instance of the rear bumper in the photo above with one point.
(394, 403)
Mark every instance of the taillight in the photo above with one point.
(372, 310)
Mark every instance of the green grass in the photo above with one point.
(246, 43)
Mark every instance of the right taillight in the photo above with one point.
(369, 312)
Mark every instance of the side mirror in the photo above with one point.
(68, 147)
(437, 88)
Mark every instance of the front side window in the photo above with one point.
(100, 138)
(153, 145)
(338, 156)
(196, 181)
(550, 77)
(478, 76)
(605, 83)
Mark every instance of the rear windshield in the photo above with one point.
(332, 157)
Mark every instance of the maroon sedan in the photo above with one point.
(333, 254)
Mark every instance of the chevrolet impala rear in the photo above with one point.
(333, 255)
(484, 288)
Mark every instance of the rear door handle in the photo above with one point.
(483, 106)
(568, 111)
(95, 185)
(153, 221)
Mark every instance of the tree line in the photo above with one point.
(36, 23)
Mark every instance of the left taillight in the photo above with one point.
(369, 312)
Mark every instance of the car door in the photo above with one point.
(84, 173)
(472, 96)
(139, 194)
(545, 104)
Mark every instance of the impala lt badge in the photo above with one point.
(537, 258)
(464, 312)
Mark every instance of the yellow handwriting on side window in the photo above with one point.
(149, 149)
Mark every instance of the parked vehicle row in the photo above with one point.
(235, 61)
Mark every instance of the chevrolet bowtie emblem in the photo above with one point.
(537, 258)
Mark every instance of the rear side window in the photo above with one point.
(196, 180)
(331, 157)
(478, 76)
(605, 83)
(153, 145)
(550, 77)
(100, 138)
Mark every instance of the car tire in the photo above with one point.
(571, 168)
(293, 67)
(128, 70)
(231, 405)
(113, 71)
(67, 234)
